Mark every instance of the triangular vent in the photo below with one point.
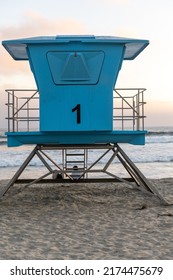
(75, 68)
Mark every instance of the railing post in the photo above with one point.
(138, 111)
(17, 123)
(142, 108)
(122, 115)
(134, 105)
(133, 114)
(13, 121)
(27, 114)
(9, 129)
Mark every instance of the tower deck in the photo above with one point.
(24, 121)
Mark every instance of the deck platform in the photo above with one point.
(21, 138)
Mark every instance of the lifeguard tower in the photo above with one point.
(77, 108)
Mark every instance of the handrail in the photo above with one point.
(28, 99)
(20, 108)
(128, 109)
(123, 98)
(134, 100)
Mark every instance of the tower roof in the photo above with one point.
(17, 48)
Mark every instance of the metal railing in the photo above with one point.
(128, 108)
(23, 109)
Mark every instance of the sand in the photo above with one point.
(85, 221)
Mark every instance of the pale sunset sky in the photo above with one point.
(141, 19)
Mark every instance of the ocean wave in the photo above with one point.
(159, 139)
(3, 138)
(9, 162)
(164, 135)
(3, 143)
(158, 148)
(160, 133)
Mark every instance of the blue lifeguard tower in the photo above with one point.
(78, 107)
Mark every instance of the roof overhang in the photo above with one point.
(18, 48)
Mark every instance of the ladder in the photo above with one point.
(75, 163)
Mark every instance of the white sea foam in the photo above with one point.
(157, 150)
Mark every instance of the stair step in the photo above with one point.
(75, 161)
(75, 158)
(74, 170)
(75, 155)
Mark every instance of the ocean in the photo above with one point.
(154, 159)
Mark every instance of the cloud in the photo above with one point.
(17, 74)
(32, 24)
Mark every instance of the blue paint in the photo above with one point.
(82, 74)
(75, 76)
(65, 138)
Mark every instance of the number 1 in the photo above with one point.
(77, 108)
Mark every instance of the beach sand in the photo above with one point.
(86, 221)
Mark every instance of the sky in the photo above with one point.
(149, 19)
